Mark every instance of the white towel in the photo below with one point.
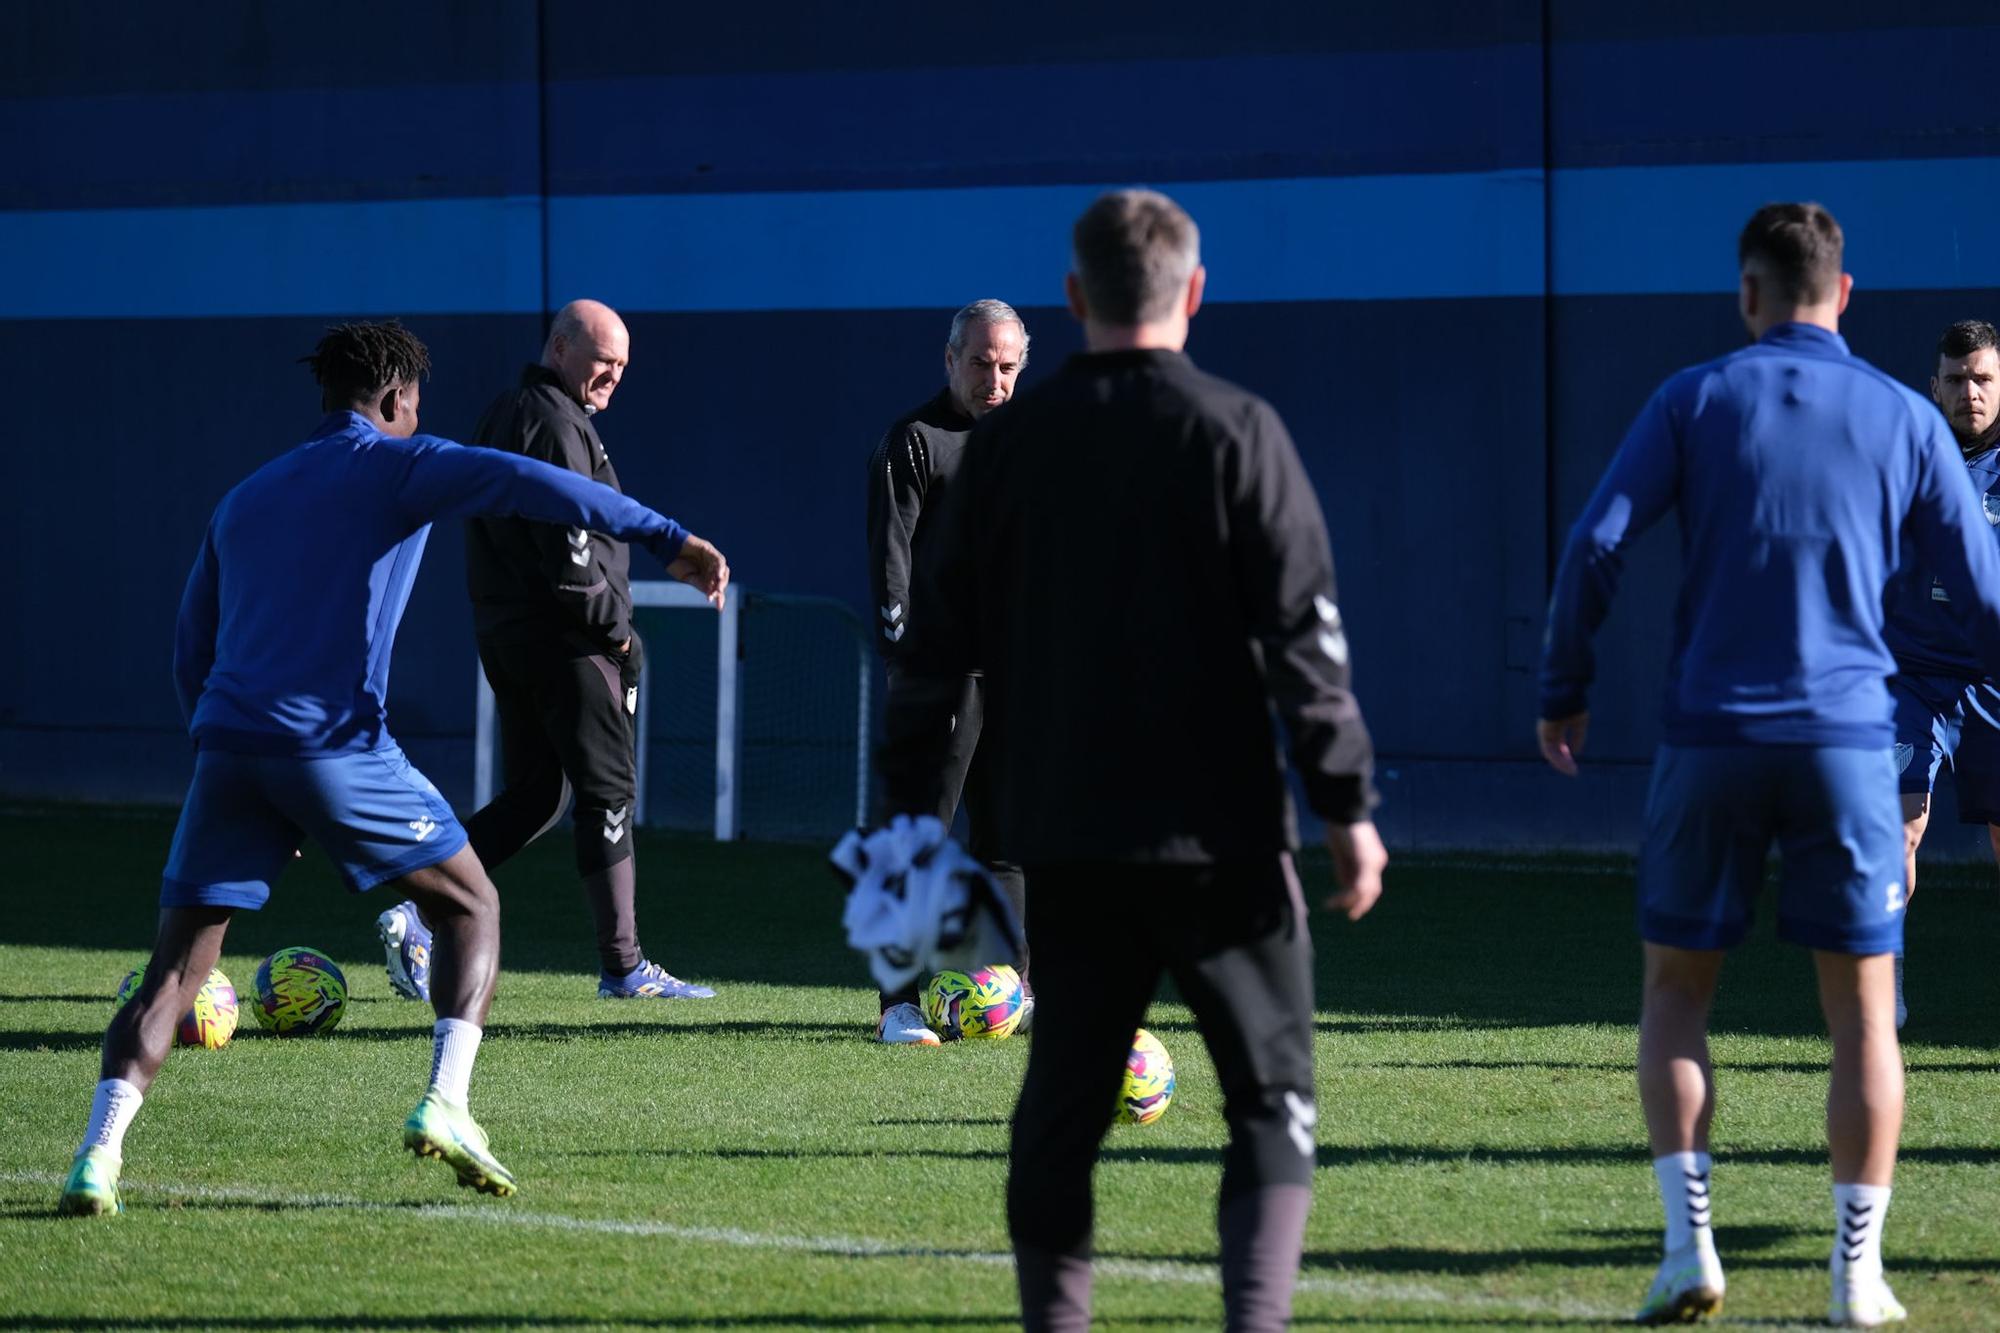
(919, 904)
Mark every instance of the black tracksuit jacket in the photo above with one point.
(539, 582)
(1134, 554)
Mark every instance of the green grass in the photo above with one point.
(753, 1162)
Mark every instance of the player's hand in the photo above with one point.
(1561, 740)
(1358, 861)
(700, 565)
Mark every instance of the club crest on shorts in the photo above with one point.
(1893, 899)
(423, 828)
(1991, 504)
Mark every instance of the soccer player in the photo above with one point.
(552, 608)
(908, 476)
(1793, 468)
(1946, 708)
(281, 662)
(1142, 787)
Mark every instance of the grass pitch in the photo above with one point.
(753, 1161)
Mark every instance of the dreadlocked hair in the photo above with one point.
(354, 362)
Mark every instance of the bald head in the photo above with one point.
(587, 349)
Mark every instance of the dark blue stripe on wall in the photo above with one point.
(1774, 97)
(271, 146)
(1289, 115)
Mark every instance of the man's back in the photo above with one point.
(1134, 525)
(1793, 466)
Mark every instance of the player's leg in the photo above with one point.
(899, 1017)
(229, 845)
(590, 712)
(979, 793)
(1843, 898)
(1929, 717)
(531, 802)
(1070, 1091)
(535, 792)
(383, 822)
(1708, 824)
(1238, 948)
(463, 907)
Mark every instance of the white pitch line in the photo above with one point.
(846, 1247)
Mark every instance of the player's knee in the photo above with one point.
(1274, 1137)
(603, 833)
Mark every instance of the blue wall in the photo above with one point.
(1455, 243)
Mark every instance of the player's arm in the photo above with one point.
(938, 652)
(1953, 538)
(1638, 487)
(195, 627)
(446, 480)
(1282, 565)
(569, 557)
(898, 474)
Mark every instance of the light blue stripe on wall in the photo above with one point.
(1358, 238)
(470, 256)
(1910, 225)
(1913, 225)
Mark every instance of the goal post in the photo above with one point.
(795, 765)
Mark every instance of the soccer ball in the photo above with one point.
(982, 1003)
(299, 992)
(1149, 1081)
(212, 1020)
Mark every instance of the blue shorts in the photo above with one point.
(1940, 718)
(375, 815)
(1712, 816)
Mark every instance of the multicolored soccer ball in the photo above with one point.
(212, 1020)
(1149, 1081)
(299, 992)
(985, 1002)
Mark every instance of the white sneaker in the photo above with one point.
(1863, 1300)
(903, 1025)
(1687, 1289)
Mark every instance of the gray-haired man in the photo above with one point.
(908, 475)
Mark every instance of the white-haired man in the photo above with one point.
(908, 475)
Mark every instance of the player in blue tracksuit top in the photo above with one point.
(1947, 709)
(281, 660)
(1795, 470)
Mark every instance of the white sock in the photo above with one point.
(111, 1112)
(1683, 1178)
(457, 1042)
(1858, 1211)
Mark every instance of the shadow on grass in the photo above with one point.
(803, 1319)
(31, 1040)
(1918, 1065)
(1433, 956)
(1328, 1155)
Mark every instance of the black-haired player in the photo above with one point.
(281, 662)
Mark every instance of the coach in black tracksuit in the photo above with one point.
(552, 608)
(909, 474)
(1133, 552)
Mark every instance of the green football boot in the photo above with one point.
(450, 1134)
(92, 1187)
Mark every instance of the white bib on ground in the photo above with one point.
(920, 904)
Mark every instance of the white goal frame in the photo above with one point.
(728, 701)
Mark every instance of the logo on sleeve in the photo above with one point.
(1893, 899)
(1332, 637)
(579, 546)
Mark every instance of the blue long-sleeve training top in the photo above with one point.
(1795, 469)
(290, 613)
(1926, 631)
